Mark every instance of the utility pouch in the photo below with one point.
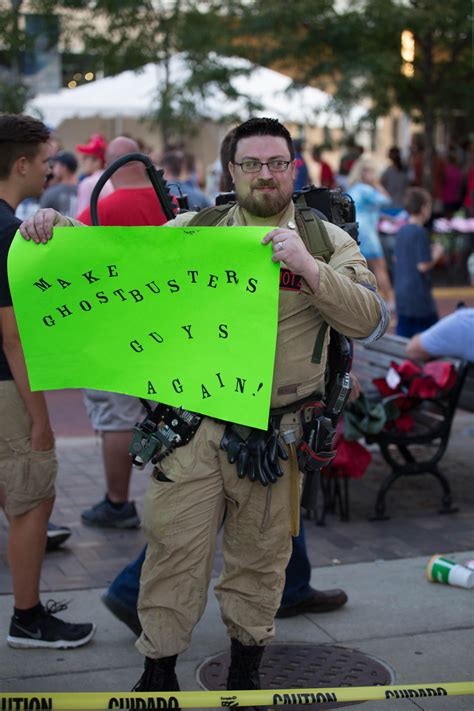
(163, 430)
(319, 420)
(315, 450)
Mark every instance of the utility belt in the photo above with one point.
(256, 453)
(166, 428)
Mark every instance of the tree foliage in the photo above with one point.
(13, 90)
(351, 49)
(126, 35)
(119, 36)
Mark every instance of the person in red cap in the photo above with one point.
(93, 160)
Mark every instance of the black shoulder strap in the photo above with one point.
(312, 231)
(210, 216)
(316, 239)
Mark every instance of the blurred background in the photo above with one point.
(389, 79)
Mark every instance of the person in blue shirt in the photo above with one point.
(369, 197)
(415, 257)
(451, 336)
(180, 183)
(302, 175)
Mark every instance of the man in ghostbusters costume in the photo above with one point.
(192, 487)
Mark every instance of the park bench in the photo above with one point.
(419, 450)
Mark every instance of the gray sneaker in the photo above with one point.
(104, 515)
(56, 536)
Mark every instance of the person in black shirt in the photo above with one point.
(8, 227)
(28, 462)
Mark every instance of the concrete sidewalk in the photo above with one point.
(92, 557)
(422, 631)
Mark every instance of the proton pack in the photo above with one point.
(331, 205)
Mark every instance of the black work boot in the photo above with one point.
(243, 671)
(159, 675)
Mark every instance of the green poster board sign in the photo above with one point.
(185, 316)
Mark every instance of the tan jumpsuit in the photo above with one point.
(183, 511)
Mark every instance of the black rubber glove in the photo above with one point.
(256, 455)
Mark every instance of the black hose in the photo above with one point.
(156, 179)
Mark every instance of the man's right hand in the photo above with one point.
(39, 227)
(42, 437)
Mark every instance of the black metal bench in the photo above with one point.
(408, 453)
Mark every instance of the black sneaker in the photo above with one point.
(104, 515)
(48, 631)
(56, 536)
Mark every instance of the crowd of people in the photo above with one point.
(195, 491)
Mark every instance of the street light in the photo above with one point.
(408, 53)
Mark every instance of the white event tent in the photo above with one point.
(133, 93)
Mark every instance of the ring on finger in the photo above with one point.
(280, 246)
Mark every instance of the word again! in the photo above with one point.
(238, 385)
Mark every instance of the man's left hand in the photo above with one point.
(288, 247)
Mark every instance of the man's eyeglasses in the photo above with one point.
(255, 166)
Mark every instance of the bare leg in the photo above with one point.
(26, 547)
(379, 268)
(117, 464)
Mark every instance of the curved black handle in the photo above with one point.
(156, 179)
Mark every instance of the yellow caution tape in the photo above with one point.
(217, 699)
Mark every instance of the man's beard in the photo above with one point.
(263, 204)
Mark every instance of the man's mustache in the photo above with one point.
(264, 184)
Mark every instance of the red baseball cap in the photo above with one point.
(96, 146)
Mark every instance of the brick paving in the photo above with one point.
(92, 557)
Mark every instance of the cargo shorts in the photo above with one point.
(27, 477)
(112, 412)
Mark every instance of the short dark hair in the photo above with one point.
(20, 135)
(67, 159)
(226, 182)
(298, 144)
(415, 200)
(260, 127)
(173, 162)
(189, 161)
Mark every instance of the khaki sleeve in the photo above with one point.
(181, 220)
(75, 223)
(347, 297)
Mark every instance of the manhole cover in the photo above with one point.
(303, 666)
